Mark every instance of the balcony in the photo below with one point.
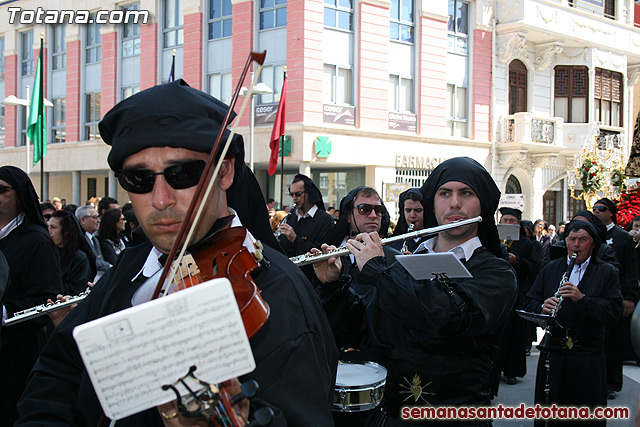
(538, 134)
(583, 25)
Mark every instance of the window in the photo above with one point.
(272, 76)
(220, 86)
(92, 115)
(458, 37)
(172, 29)
(457, 115)
(26, 54)
(2, 59)
(92, 48)
(338, 14)
(128, 91)
(608, 97)
(130, 34)
(220, 24)
(401, 94)
(57, 128)
(517, 87)
(337, 87)
(58, 47)
(570, 93)
(610, 9)
(402, 21)
(273, 14)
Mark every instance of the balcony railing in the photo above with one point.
(524, 128)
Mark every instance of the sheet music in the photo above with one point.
(509, 231)
(130, 354)
(426, 266)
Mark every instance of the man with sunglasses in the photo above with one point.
(618, 332)
(307, 224)
(441, 336)
(364, 212)
(35, 276)
(160, 139)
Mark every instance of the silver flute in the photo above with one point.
(41, 310)
(306, 259)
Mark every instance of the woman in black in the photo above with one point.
(76, 271)
(111, 228)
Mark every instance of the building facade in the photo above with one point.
(379, 91)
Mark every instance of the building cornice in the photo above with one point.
(379, 3)
(434, 16)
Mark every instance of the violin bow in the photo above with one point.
(209, 174)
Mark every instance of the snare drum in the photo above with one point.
(359, 386)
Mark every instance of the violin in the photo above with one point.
(224, 255)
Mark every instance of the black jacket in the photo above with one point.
(295, 356)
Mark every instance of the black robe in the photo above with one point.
(294, 352)
(576, 350)
(35, 276)
(76, 273)
(310, 233)
(441, 338)
(513, 359)
(618, 332)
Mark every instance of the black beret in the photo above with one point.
(168, 115)
(511, 211)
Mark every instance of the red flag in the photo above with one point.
(278, 129)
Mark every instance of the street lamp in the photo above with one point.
(258, 89)
(14, 100)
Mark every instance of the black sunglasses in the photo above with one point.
(47, 216)
(600, 209)
(141, 181)
(4, 189)
(365, 209)
(297, 193)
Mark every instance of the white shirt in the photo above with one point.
(578, 271)
(152, 267)
(310, 213)
(610, 226)
(468, 247)
(12, 225)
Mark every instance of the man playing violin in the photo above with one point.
(160, 141)
(440, 336)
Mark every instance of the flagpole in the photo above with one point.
(42, 124)
(282, 170)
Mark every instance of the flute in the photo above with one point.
(41, 310)
(306, 259)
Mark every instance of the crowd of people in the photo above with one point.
(442, 341)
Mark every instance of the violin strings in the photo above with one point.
(227, 144)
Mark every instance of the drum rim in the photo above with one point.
(375, 384)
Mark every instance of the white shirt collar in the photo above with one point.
(12, 225)
(610, 226)
(578, 271)
(153, 267)
(468, 247)
(310, 213)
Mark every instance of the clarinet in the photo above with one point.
(563, 280)
(545, 341)
(405, 245)
(284, 221)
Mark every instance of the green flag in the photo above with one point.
(37, 118)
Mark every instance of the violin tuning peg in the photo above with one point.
(249, 390)
(262, 417)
